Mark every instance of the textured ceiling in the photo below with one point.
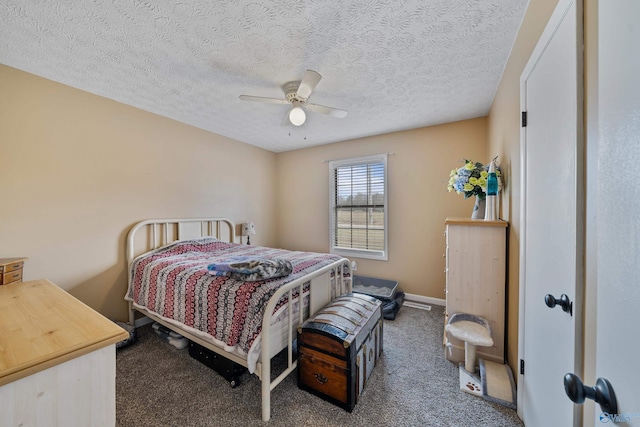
(392, 64)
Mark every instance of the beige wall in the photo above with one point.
(77, 170)
(418, 199)
(504, 140)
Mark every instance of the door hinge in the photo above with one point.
(524, 119)
(521, 367)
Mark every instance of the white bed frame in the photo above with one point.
(154, 233)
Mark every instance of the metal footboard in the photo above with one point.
(325, 285)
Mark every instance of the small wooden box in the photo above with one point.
(338, 348)
(11, 270)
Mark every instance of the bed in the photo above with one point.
(171, 281)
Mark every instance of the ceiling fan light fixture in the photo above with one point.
(297, 116)
(297, 94)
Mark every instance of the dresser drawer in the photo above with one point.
(11, 267)
(13, 276)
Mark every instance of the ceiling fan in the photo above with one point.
(297, 94)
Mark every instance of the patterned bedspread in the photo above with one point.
(174, 282)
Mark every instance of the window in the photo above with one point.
(359, 207)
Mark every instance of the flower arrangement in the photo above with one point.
(471, 179)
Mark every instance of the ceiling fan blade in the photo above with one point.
(263, 99)
(334, 112)
(308, 83)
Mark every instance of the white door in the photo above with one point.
(551, 233)
(618, 225)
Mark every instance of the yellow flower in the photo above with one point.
(471, 179)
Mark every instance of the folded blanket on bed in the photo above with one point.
(251, 269)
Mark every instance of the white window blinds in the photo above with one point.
(359, 207)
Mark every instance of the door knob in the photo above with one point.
(564, 302)
(602, 393)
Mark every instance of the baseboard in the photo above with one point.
(422, 302)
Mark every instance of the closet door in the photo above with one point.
(551, 230)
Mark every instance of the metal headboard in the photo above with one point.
(160, 232)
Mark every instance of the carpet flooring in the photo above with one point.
(412, 385)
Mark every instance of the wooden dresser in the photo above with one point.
(476, 263)
(11, 270)
(57, 358)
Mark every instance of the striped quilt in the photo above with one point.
(174, 282)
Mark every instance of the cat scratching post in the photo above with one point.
(474, 331)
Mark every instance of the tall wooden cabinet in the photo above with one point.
(476, 279)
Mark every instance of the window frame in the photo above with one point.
(382, 255)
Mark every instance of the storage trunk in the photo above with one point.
(338, 348)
